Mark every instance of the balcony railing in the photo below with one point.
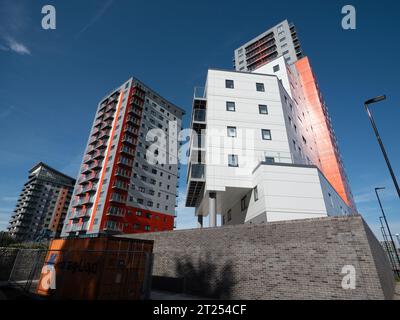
(115, 211)
(81, 213)
(83, 201)
(199, 93)
(116, 197)
(123, 173)
(199, 115)
(197, 171)
(121, 185)
(129, 140)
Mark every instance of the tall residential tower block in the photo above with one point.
(118, 190)
(265, 149)
(42, 205)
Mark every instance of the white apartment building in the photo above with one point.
(256, 159)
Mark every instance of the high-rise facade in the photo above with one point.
(268, 151)
(42, 205)
(280, 40)
(119, 189)
(255, 56)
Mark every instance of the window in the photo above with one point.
(260, 87)
(147, 228)
(270, 160)
(266, 134)
(243, 203)
(139, 213)
(276, 68)
(229, 84)
(229, 215)
(285, 52)
(263, 109)
(230, 106)
(282, 39)
(232, 132)
(233, 160)
(255, 193)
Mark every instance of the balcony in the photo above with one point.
(125, 162)
(196, 182)
(115, 211)
(104, 134)
(98, 154)
(121, 185)
(93, 166)
(123, 173)
(259, 42)
(128, 151)
(98, 122)
(76, 227)
(113, 226)
(83, 201)
(197, 171)
(81, 213)
(109, 116)
(199, 115)
(133, 120)
(106, 125)
(261, 55)
(266, 45)
(91, 149)
(93, 140)
(116, 197)
(103, 105)
(135, 111)
(101, 145)
(132, 130)
(90, 177)
(82, 190)
(127, 139)
(111, 107)
(198, 141)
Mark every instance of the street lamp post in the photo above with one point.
(387, 225)
(366, 103)
(389, 252)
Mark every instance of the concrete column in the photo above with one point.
(199, 221)
(212, 203)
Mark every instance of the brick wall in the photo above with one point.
(300, 259)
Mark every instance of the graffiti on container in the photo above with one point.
(48, 280)
(81, 266)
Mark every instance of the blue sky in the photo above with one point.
(51, 81)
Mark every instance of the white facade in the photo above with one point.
(252, 119)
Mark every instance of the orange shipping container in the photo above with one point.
(97, 268)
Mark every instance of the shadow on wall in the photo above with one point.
(204, 278)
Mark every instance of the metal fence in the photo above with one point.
(83, 274)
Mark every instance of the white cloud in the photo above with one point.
(18, 47)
